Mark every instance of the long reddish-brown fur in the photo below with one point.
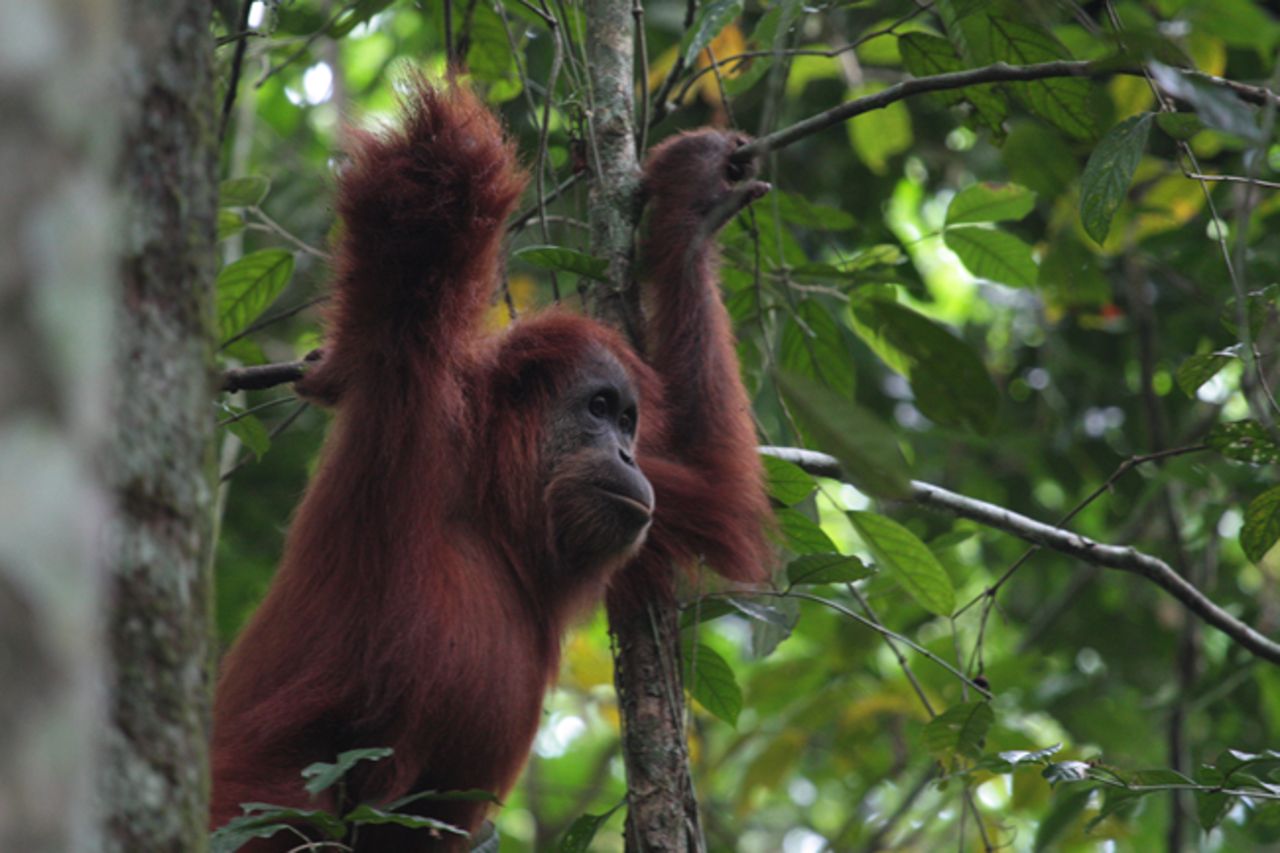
(418, 604)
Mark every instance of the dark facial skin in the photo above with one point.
(599, 501)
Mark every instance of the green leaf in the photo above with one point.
(1180, 126)
(580, 834)
(801, 534)
(1261, 528)
(959, 731)
(263, 821)
(322, 775)
(560, 259)
(490, 58)
(250, 431)
(1064, 101)
(924, 55)
(356, 14)
(903, 557)
(812, 346)
(951, 385)
(709, 679)
(799, 211)
(1217, 106)
(1063, 813)
(704, 610)
(867, 450)
(365, 814)
(1107, 175)
(247, 286)
(1066, 771)
(990, 202)
(993, 254)
(230, 223)
(1244, 441)
(243, 192)
(880, 134)
(1040, 756)
(787, 483)
(712, 18)
(1199, 369)
(826, 568)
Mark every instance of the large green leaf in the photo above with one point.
(1244, 441)
(867, 450)
(990, 202)
(247, 286)
(925, 55)
(709, 679)
(826, 568)
(901, 555)
(801, 534)
(993, 254)
(712, 18)
(1261, 528)
(812, 345)
(951, 385)
(1106, 178)
(560, 259)
(1064, 101)
(787, 483)
(243, 192)
(959, 731)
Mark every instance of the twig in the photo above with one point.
(1000, 72)
(237, 63)
(1064, 541)
(1234, 179)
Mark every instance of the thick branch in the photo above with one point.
(1064, 541)
(1000, 72)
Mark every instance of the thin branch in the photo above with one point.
(1123, 559)
(237, 64)
(1000, 72)
(1234, 179)
(262, 376)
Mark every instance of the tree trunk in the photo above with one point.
(57, 293)
(155, 780)
(662, 812)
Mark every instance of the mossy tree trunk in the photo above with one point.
(154, 781)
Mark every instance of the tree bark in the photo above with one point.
(662, 812)
(154, 783)
(57, 292)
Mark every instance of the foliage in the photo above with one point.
(263, 820)
(1008, 289)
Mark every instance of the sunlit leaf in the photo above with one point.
(826, 568)
(993, 254)
(1199, 369)
(801, 534)
(901, 555)
(712, 18)
(246, 287)
(251, 433)
(230, 223)
(243, 192)
(990, 202)
(787, 483)
(1107, 175)
(880, 135)
(1066, 771)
